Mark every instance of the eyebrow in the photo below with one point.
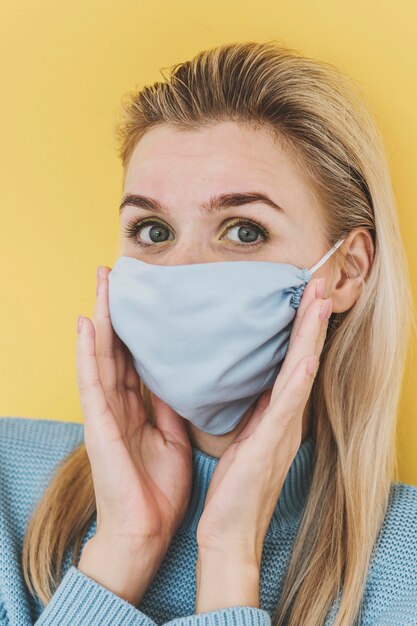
(216, 203)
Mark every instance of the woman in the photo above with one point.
(250, 172)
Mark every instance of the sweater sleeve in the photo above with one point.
(80, 600)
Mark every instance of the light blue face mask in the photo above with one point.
(207, 338)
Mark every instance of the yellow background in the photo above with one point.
(64, 68)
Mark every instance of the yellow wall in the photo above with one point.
(64, 67)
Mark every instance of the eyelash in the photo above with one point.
(133, 227)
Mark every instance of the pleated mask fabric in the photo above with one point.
(207, 338)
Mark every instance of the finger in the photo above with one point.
(284, 414)
(309, 295)
(125, 369)
(111, 357)
(321, 339)
(266, 397)
(132, 378)
(123, 374)
(94, 405)
(306, 341)
(259, 409)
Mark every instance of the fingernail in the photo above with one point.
(326, 309)
(79, 323)
(320, 287)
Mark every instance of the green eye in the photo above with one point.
(156, 231)
(248, 232)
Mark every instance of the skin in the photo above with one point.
(184, 169)
(139, 504)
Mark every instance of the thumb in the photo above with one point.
(261, 404)
(168, 421)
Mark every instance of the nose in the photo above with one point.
(191, 250)
(187, 256)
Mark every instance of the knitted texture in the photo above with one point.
(32, 449)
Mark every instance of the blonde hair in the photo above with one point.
(320, 114)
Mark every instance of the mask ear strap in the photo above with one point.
(326, 256)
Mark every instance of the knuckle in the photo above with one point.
(305, 378)
(316, 308)
(308, 319)
(300, 390)
(299, 334)
(311, 378)
(120, 386)
(84, 351)
(110, 390)
(290, 415)
(106, 352)
(300, 329)
(288, 420)
(85, 385)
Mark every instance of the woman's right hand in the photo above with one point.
(141, 473)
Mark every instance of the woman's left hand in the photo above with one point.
(249, 475)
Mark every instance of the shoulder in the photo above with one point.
(400, 524)
(30, 452)
(396, 547)
(391, 587)
(26, 443)
(34, 433)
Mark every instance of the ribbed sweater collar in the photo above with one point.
(291, 500)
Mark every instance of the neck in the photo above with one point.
(291, 500)
(215, 445)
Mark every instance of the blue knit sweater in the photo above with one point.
(30, 451)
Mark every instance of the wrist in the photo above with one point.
(124, 568)
(242, 551)
(226, 579)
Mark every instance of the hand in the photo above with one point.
(141, 473)
(249, 475)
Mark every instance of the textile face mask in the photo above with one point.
(207, 338)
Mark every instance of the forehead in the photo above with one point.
(171, 164)
(226, 144)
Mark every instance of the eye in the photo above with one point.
(156, 230)
(247, 232)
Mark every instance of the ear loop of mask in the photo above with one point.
(326, 256)
(295, 300)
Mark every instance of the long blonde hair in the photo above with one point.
(321, 115)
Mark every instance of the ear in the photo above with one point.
(350, 273)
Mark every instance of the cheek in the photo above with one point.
(123, 245)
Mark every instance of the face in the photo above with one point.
(271, 213)
(184, 170)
